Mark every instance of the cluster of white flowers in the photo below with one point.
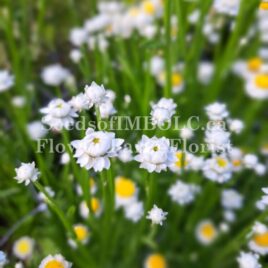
(228, 7)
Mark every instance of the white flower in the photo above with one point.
(18, 101)
(6, 80)
(36, 130)
(236, 126)
(81, 233)
(125, 155)
(217, 168)
(58, 114)
(216, 111)
(217, 139)
(205, 72)
(96, 207)
(65, 158)
(248, 260)
(56, 260)
(259, 240)
(228, 7)
(107, 109)
(42, 197)
(186, 133)
(3, 259)
(183, 193)
(250, 161)
(79, 102)
(75, 55)
(231, 199)
(78, 36)
(229, 215)
(95, 94)
(260, 169)
(54, 75)
(23, 247)
(163, 111)
(26, 173)
(19, 265)
(157, 65)
(206, 232)
(156, 215)
(257, 86)
(134, 211)
(155, 154)
(95, 149)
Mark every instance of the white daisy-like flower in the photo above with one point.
(75, 55)
(217, 139)
(95, 94)
(155, 260)
(54, 75)
(155, 154)
(95, 149)
(205, 72)
(55, 261)
(183, 193)
(206, 232)
(23, 248)
(19, 265)
(6, 80)
(162, 111)
(229, 215)
(248, 260)
(3, 259)
(79, 102)
(257, 86)
(236, 156)
(81, 233)
(182, 160)
(96, 207)
(231, 199)
(26, 173)
(36, 130)
(157, 215)
(125, 155)
(217, 169)
(228, 7)
(216, 111)
(259, 240)
(58, 115)
(107, 109)
(65, 158)
(236, 126)
(134, 211)
(157, 65)
(250, 161)
(260, 169)
(125, 191)
(78, 36)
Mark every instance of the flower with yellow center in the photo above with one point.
(261, 81)
(148, 7)
(23, 247)
(81, 232)
(261, 239)
(95, 205)
(176, 79)
(254, 64)
(125, 190)
(182, 161)
(263, 6)
(221, 162)
(155, 261)
(56, 261)
(257, 86)
(206, 232)
(236, 163)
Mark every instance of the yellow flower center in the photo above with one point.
(54, 264)
(261, 81)
(221, 162)
(179, 163)
(124, 187)
(208, 230)
(155, 148)
(236, 163)
(23, 246)
(91, 183)
(254, 64)
(261, 239)
(176, 79)
(148, 7)
(264, 6)
(95, 204)
(96, 140)
(156, 261)
(81, 232)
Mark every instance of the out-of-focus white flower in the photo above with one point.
(156, 215)
(216, 111)
(134, 211)
(157, 65)
(231, 199)
(205, 72)
(36, 130)
(229, 215)
(42, 197)
(183, 193)
(18, 101)
(65, 158)
(96, 207)
(107, 109)
(125, 155)
(162, 111)
(260, 169)
(217, 169)
(56, 260)
(95, 94)
(236, 125)
(58, 114)
(186, 133)
(206, 232)
(155, 154)
(54, 75)
(78, 36)
(228, 7)
(75, 55)
(182, 161)
(194, 17)
(26, 173)
(155, 260)
(92, 187)
(236, 157)
(259, 240)
(248, 260)
(250, 161)
(3, 259)
(6, 80)
(81, 233)
(95, 149)
(19, 265)
(23, 248)
(257, 86)
(79, 102)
